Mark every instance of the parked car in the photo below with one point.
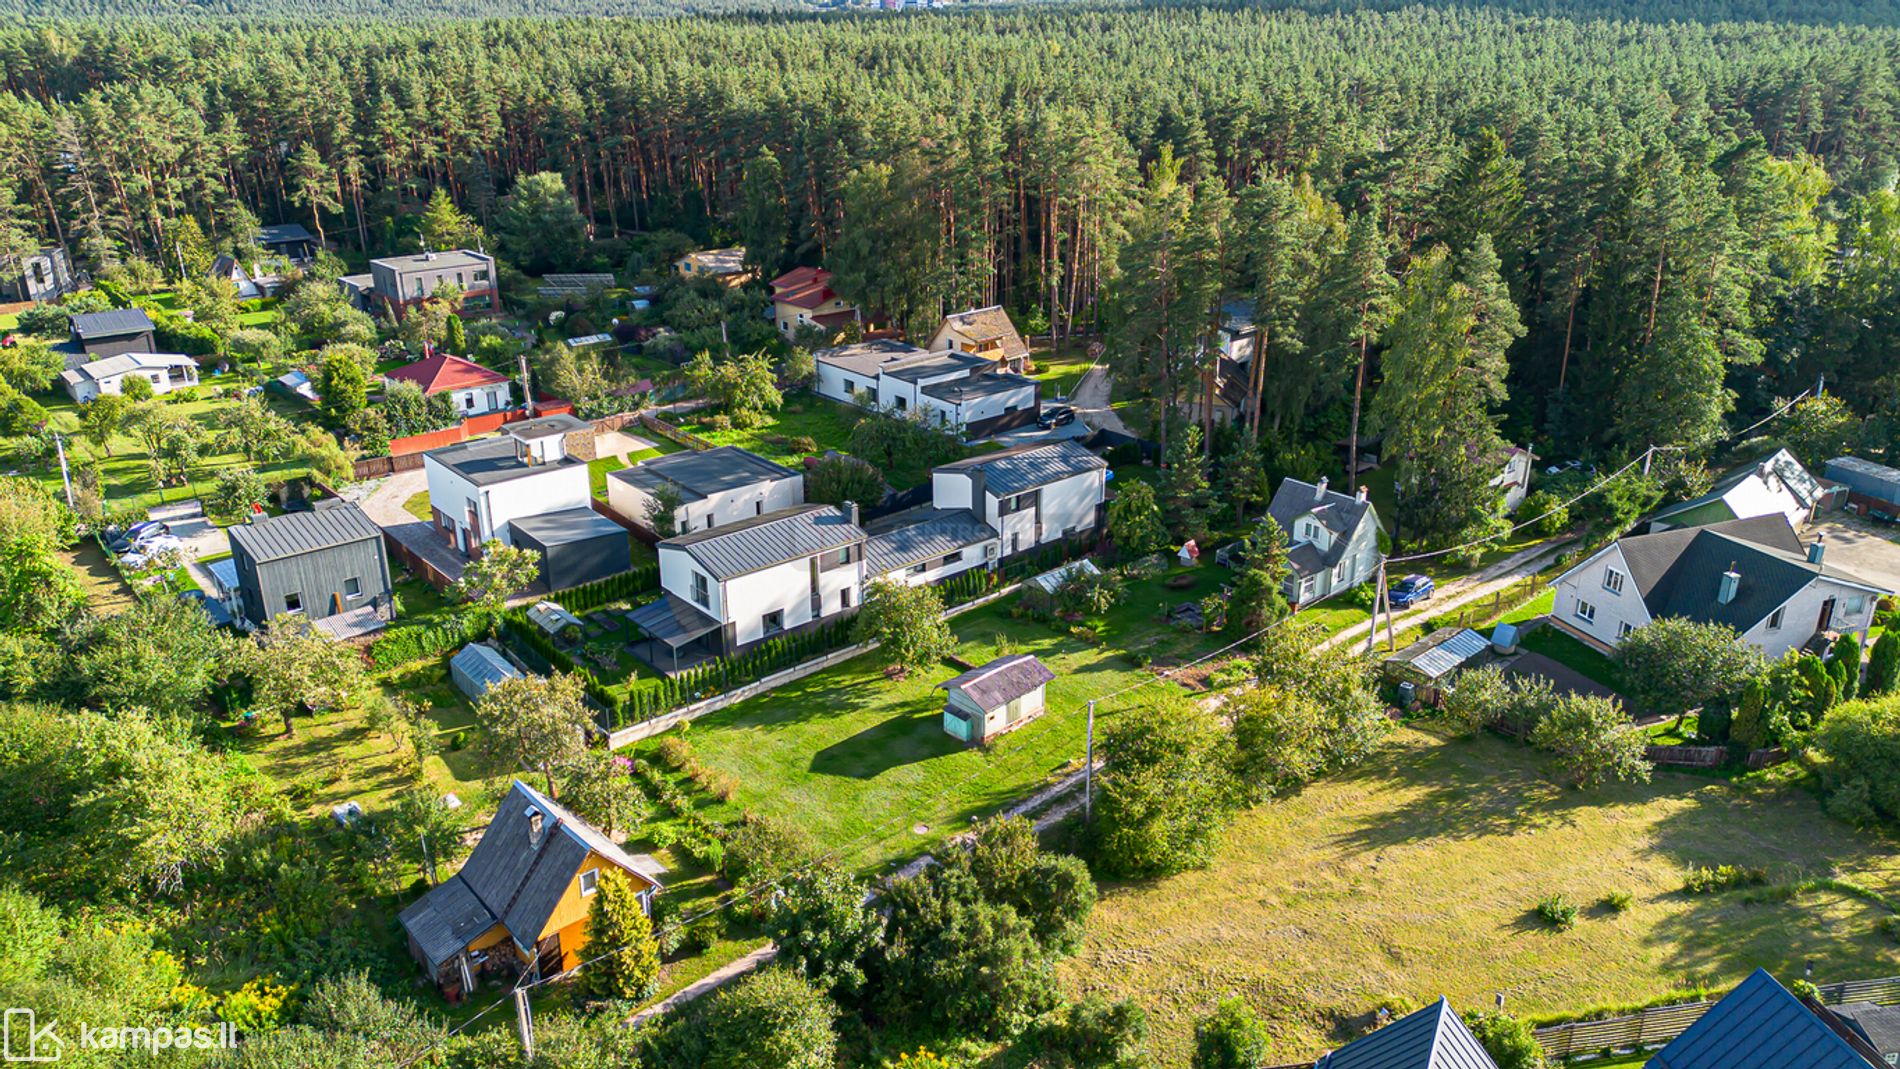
(1410, 590)
(125, 541)
(1056, 416)
(151, 549)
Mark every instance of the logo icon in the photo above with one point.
(24, 1039)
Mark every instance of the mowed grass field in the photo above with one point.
(1417, 875)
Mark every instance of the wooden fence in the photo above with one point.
(417, 564)
(1484, 610)
(1657, 1025)
(1687, 756)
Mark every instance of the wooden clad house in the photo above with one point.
(987, 701)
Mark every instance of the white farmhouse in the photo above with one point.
(728, 588)
(1775, 485)
(1030, 495)
(165, 371)
(714, 487)
(958, 390)
(1334, 538)
(1751, 574)
(534, 468)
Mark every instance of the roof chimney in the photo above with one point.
(1731, 580)
(1363, 494)
(850, 512)
(1319, 489)
(534, 826)
(1817, 548)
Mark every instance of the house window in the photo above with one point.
(353, 587)
(468, 401)
(1339, 572)
(482, 275)
(758, 508)
(1586, 611)
(702, 591)
(1613, 580)
(773, 622)
(590, 882)
(1774, 620)
(709, 523)
(1854, 605)
(293, 601)
(1623, 629)
(844, 598)
(919, 569)
(951, 559)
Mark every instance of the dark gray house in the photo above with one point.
(289, 240)
(575, 546)
(327, 564)
(121, 330)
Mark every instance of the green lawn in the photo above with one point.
(864, 764)
(598, 470)
(418, 506)
(1059, 369)
(1568, 651)
(1415, 876)
(260, 313)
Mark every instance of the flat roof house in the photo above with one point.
(165, 371)
(397, 283)
(1030, 495)
(521, 902)
(714, 487)
(725, 589)
(111, 333)
(575, 545)
(725, 266)
(803, 297)
(478, 489)
(328, 564)
(984, 702)
(1753, 575)
(961, 391)
(473, 389)
(986, 332)
(1334, 538)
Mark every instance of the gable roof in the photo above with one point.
(1878, 1025)
(1678, 572)
(511, 879)
(990, 324)
(778, 536)
(803, 287)
(1001, 681)
(442, 372)
(1341, 515)
(1431, 1038)
(115, 323)
(699, 474)
(296, 533)
(1759, 1025)
(1025, 467)
(1778, 470)
(281, 233)
(727, 261)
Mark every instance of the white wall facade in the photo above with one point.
(677, 569)
(1588, 598)
(553, 490)
(160, 378)
(978, 409)
(1800, 616)
(787, 588)
(479, 400)
(951, 490)
(936, 570)
(1069, 506)
(837, 383)
(743, 503)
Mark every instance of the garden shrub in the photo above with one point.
(1557, 911)
(1618, 901)
(1703, 880)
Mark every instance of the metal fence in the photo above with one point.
(1657, 1025)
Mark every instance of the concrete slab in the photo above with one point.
(1859, 547)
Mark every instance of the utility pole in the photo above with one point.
(65, 476)
(527, 384)
(1088, 771)
(1378, 595)
(524, 1023)
(1820, 385)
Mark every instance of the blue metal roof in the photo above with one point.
(1432, 1038)
(1759, 1025)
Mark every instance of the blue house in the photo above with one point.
(1762, 1025)
(1432, 1038)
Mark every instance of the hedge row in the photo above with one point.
(643, 579)
(406, 645)
(726, 673)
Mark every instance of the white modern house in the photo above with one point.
(728, 588)
(1775, 485)
(1334, 538)
(1752, 574)
(1030, 495)
(165, 371)
(537, 467)
(714, 487)
(958, 390)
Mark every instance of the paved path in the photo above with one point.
(382, 500)
(1461, 592)
(1091, 399)
(712, 981)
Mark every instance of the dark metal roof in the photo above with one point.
(698, 475)
(934, 533)
(760, 542)
(1679, 572)
(1878, 1025)
(446, 920)
(283, 233)
(977, 387)
(939, 364)
(1443, 652)
(672, 621)
(1759, 1025)
(1341, 515)
(1432, 1038)
(1025, 467)
(119, 322)
(303, 532)
(487, 461)
(568, 526)
(1001, 681)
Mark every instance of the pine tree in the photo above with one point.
(1356, 302)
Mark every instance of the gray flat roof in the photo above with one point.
(976, 387)
(944, 364)
(567, 526)
(487, 461)
(303, 532)
(546, 426)
(90, 326)
(433, 261)
(866, 357)
(700, 474)
(760, 542)
(278, 233)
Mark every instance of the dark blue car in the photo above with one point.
(1410, 590)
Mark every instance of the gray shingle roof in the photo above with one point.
(1878, 1025)
(935, 533)
(698, 475)
(91, 326)
(1025, 467)
(1759, 1025)
(977, 387)
(989, 324)
(1679, 572)
(760, 542)
(1339, 513)
(1001, 681)
(1432, 1038)
(487, 461)
(303, 532)
(510, 878)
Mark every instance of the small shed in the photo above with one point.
(1868, 484)
(1433, 660)
(575, 546)
(551, 618)
(478, 667)
(985, 702)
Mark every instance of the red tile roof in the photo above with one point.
(441, 372)
(803, 287)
